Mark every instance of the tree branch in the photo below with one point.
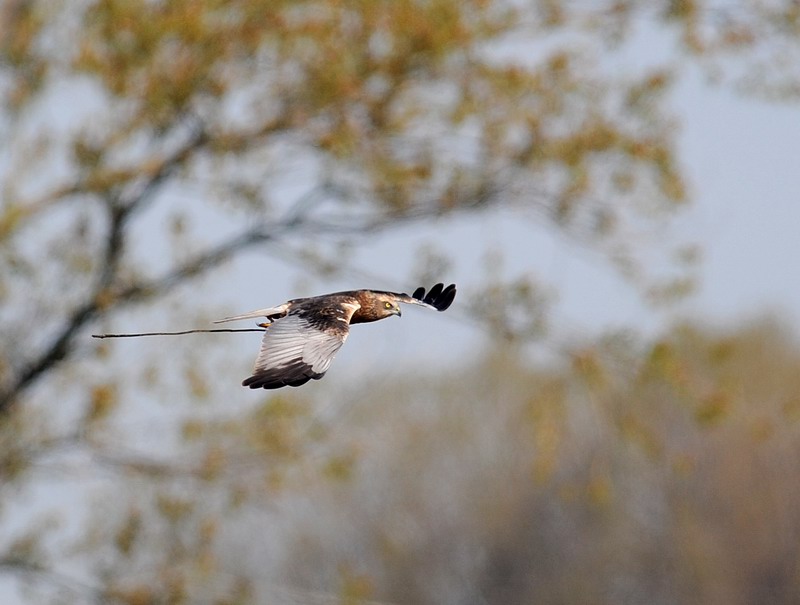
(105, 296)
(211, 258)
(120, 211)
(39, 573)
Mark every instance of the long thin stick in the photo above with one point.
(174, 333)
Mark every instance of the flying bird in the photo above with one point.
(303, 335)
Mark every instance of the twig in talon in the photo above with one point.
(175, 333)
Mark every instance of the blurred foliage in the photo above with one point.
(657, 470)
(634, 472)
(628, 472)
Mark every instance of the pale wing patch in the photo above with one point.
(294, 350)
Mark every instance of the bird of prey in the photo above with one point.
(303, 335)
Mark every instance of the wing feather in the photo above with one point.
(438, 297)
(300, 347)
(267, 312)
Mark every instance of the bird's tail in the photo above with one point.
(269, 312)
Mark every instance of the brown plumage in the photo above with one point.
(304, 334)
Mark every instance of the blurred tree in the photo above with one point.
(632, 473)
(303, 122)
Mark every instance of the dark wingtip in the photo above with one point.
(438, 296)
(447, 297)
(266, 381)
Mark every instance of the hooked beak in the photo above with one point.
(398, 312)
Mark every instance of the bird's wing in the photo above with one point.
(438, 297)
(300, 346)
(269, 312)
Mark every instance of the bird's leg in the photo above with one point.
(265, 324)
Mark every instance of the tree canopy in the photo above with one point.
(146, 144)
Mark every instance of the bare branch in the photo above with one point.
(41, 574)
(120, 211)
(191, 268)
(106, 296)
(55, 353)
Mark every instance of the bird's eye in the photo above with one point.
(388, 305)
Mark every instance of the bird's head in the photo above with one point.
(387, 306)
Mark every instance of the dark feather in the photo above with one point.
(439, 297)
(292, 375)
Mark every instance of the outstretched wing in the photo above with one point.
(300, 346)
(438, 297)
